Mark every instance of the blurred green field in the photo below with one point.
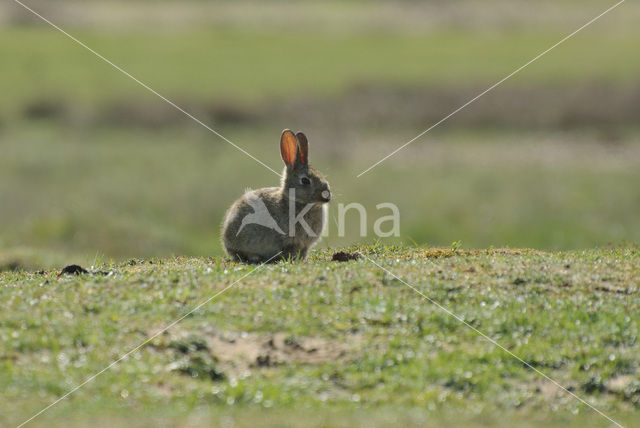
(92, 164)
(234, 66)
(124, 193)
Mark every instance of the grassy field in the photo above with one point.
(138, 193)
(97, 171)
(322, 340)
(94, 164)
(241, 67)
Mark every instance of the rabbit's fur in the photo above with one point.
(256, 228)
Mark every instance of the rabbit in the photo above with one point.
(279, 223)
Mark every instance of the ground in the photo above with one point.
(327, 343)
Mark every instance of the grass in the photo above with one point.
(246, 67)
(156, 192)
(94, 170)
(379, 348)
(112, 170)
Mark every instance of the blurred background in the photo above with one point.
(95, 166)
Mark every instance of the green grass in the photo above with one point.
(244, 66)
(573, 315)
(88, 181)
(147, 192)
(110, 174)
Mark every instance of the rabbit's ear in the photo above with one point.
(303, 145)
(288, 147)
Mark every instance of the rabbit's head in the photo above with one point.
(308, 184)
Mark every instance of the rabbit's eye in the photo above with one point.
(305, 181)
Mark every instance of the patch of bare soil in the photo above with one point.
(627, 386)
(343, 256)
(620, 384)
(610, 289)
(549, 390)
(277, 349)
(214, 352)
(73, 270)
(437, 253)
(79, 270)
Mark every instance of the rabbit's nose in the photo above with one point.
(326, 195)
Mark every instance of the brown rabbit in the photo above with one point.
(275, 223)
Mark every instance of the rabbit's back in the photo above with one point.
(256, 227)
(249, 229)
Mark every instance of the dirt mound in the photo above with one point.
(213, 352)
(276, 349)
(343, 256)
